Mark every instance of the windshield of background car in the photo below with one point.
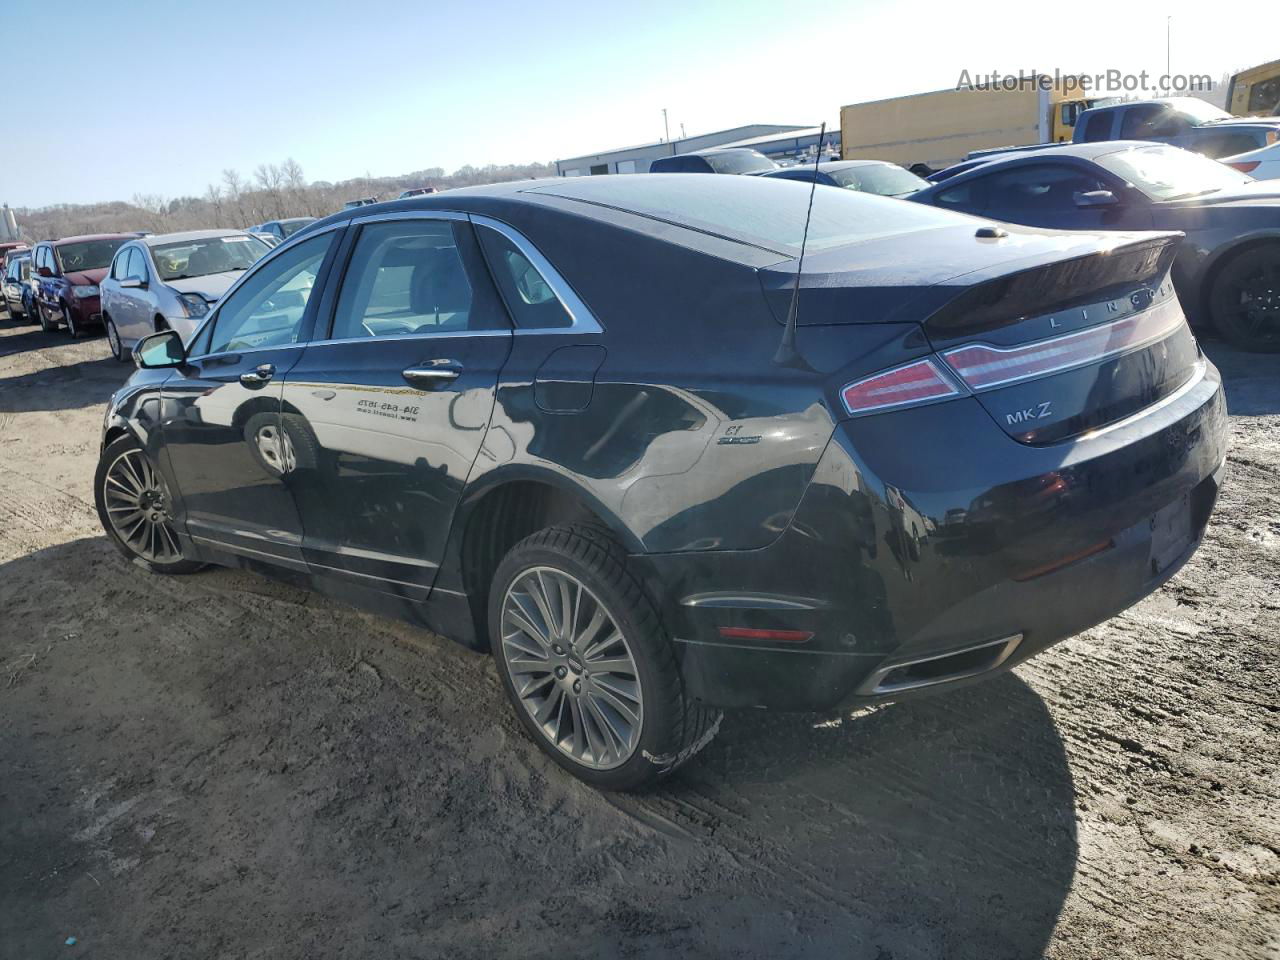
(199, 258)
(766, 212)
(1198, 111)
(888, 181)
(89, 255)
(739, 162)
(1167, 173)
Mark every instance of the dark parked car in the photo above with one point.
(566, 422)
(67, 274)
(722, 160)
(416, 192)
(359, 202)
(283, 229)
(19, 292)
(1185, 122)
(1227, 267)
(868, 176)
(964, 166)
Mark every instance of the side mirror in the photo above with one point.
(160, 350)
(1092, 199)
(44, 272)
(133, 283)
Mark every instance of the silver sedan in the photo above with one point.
(169, 282)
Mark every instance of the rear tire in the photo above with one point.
(1244, 301)
(46, 324)
(134, 508)
(608, 705)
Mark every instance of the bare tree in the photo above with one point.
(299, 200)
(213, 197)
(235, 193)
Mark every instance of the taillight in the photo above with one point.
(983, 367)
(1245, 166)
(919, 382)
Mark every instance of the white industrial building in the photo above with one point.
(782, 142)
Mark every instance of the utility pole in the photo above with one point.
(666, 131)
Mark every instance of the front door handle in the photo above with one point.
(259, 375)
(432, 373)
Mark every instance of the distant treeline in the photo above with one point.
(271, 193)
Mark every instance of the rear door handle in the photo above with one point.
(432, 373)
(259, 375)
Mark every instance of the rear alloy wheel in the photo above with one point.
(135, 509)
(113, 341)
(585, 661)
(1245, 300)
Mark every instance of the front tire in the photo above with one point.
(46, 324)
(113, 341)
(1244, 301)
(73, 329)
(135, 510)
(586, 664)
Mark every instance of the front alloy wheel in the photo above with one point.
(134, 507)
(113, 341)
(73, 329)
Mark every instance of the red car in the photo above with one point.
(67, 273)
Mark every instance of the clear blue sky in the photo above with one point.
(140, 96)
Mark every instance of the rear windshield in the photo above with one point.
(89, 255)
(743, 161)
(290, 227)
(763, 211)
(199, 258)
(887, 180)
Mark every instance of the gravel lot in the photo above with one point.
(223, 766)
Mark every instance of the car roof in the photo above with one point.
(1085, 151)
(188, 235)
(94, 236)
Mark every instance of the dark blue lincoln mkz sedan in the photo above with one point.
(578, 424)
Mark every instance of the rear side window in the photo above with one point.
(408, 277)
(1098, 127)
(530, 298)
(1044, 187)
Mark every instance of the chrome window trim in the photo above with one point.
(442, 335)
(298, 237)
(582, 319)
(410, 215)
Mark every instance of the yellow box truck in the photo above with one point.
(938, 129)
(1255, 92)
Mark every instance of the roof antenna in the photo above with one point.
(786, 355)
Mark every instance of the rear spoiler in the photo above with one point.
(1054, 287)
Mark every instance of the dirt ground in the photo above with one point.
(223, 766)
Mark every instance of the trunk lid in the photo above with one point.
(1064, 348)
(1053, 333)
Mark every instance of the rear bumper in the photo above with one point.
(910, 543)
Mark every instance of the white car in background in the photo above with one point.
(170, 281)
(1261, 164)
